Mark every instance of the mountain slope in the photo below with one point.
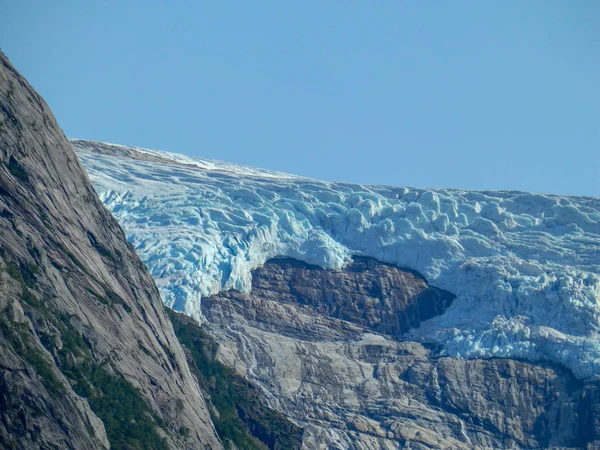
(88, 357)
(238, 408)
(353, 387)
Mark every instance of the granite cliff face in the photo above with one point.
(327, 349)
(88, 356)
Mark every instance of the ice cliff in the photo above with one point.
(524, 267)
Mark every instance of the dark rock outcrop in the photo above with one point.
(366, 292)
(88, 356)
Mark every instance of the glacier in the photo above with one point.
(524, 267)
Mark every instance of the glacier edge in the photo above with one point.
(524, 267)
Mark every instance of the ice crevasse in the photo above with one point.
(524, 267)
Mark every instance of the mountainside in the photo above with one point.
(352, 387)
(359, 311)
(88, 356)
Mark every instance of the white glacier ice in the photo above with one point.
(524, 267)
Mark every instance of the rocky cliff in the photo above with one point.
(239, 412)
(327, 349)
(88, 357)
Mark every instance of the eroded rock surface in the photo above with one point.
(367, 293)
(354, 384)
(82, 323)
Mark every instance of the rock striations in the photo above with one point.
(357, 384)
(368, 293)
(88, 356)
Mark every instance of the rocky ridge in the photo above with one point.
(88, 356)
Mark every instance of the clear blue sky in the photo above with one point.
(468, 94)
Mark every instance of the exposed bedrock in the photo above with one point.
(88, 356)
(325, 348)
(367, 293)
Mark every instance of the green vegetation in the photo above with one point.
(102, 250)
(24, 273)
(43, 368)
(100, 298)
(238, 404)
(74, 260)
(19, 337)
(17, 170)
(13, 271)
(129, 422)
(143, 349)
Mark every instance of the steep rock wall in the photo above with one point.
(352, 387)
(81, 314)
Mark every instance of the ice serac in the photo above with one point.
(524, 267)
(88, 357)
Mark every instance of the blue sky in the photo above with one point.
(466, 94)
